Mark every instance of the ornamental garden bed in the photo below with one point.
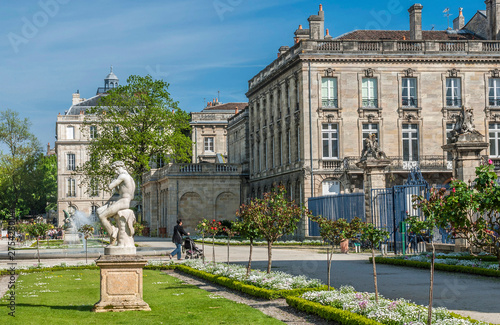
(259, 284)
(451, 263)
(346, 306)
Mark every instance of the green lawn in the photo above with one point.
(67, 297)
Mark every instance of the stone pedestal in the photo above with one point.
(121, 283)
(374, 177)
(466, 155)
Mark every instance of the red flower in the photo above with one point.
(453, 190)
(214, 220)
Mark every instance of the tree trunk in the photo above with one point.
(86, 249)
(203, 248)
(269, 256)
(328, 266)
(429, 315)
(38, 249)
(228, 251)
(374, 274)
(250, 257)
(213, 249)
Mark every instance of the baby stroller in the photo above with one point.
(191, 250)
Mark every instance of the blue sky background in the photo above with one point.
(51, 48)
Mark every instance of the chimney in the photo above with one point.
(76, 98)
(493, 15)
(328, 36)
(416, 22)
(459, 22)
(236, 110)
(317, 25)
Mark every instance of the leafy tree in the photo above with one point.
(335, 232)
(247, 228)
(375, 237)
(135, 123)
(434, 215)
(21, 146)
(38, 229)
(275, 216)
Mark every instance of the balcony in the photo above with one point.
(369, 103)
(425, 163)
(410, 102)
(329, 103)
(453, 102)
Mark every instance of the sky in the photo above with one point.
(49, 49)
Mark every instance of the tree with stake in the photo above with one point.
(276, 217)
(247, 228)
(433, 211)
(87, 231)
(37, 230)
(335, 232)
(230, 233)
(213, 228)
(202, 228)
(375, 237)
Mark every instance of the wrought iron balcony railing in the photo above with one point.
(453, 102)
(329, 103)
(494, 102)
(369, 103)
(410, 102)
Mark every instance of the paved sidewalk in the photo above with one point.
(470, 295)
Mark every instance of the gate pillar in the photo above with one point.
(373, 177)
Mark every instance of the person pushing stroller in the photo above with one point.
(177, 239)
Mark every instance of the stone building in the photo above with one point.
(71, 149)
(214, 185)
(312, 107)
(209, 131)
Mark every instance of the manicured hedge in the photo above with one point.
(329, 313)
(51, 269)
(438, 266)
(209, 242)
(243, 287)
(484, 258)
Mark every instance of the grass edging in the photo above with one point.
(328, 312)
(437, 266)
(243, 287)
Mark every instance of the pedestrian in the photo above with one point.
(177, 239)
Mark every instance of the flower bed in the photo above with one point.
(465, 266)
(258, 283)
(223, 241)
(346, 301)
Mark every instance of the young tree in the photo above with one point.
(135, 123)
(434, 214)
(202, 228)
(275, 216)
(375, 237)
(335, 232)
(247, 228)
(87, 231)
(212, 228)
(21, 146)
(230, 233)
(37, 230)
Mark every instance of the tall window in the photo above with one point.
(280, 144)
(278, 103)
(495, 140)
(298, 143)
(288, 99)
(409, 94)
(297, 94)
(71, 161)
(289, 147)
(329, 93)
(369, 93)
(449, 128)
(494, 92)
(265, 154)
(453, 92)
(330, 141)
(70, 132)
(71, 187)
(272, 151)
(410, 142)
(209, 144)
(94, 187)
(93, 131)
(369, 129)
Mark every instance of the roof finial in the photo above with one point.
(111, 70)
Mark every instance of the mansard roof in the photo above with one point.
(84, 105)
(227, 106)
(399, 35)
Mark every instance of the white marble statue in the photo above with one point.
(122, 235)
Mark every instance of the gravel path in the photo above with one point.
(277, 308)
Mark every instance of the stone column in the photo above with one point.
(466, 155)
(373, 177)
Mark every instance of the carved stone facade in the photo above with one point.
(312, 107)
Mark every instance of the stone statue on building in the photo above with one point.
(122, 233)
(372, 149)
(464, 125)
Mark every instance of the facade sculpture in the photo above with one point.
(372, 149)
